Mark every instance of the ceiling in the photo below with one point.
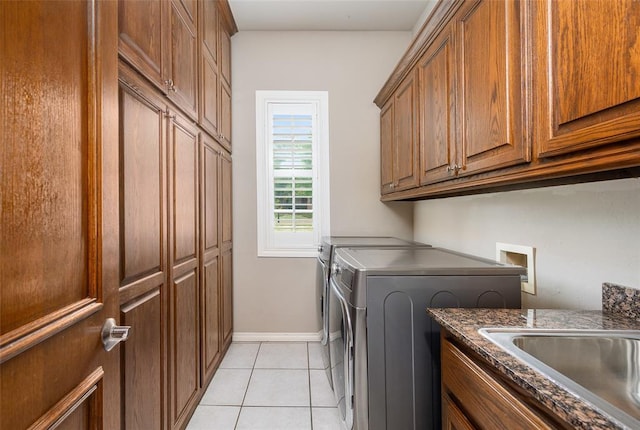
(330, 15)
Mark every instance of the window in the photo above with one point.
(292, 156)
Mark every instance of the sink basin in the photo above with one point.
(600, 366)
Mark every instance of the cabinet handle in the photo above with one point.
(455, 168)
(170, 86)
(392, 185)
(167, 114)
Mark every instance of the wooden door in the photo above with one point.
(209, 77)
(226, 229)
(184, 320)
(491, 85)
(436, 77)
(143, 253)
(210, 262)
(59, 214)
(587, 72)
(183, 58)
(386, 148)
(143, 29)
(405, 126)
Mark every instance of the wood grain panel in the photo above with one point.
(386, 148)
(211, 341)
(226, 190)
(78, 409)
(587, 77)
(143, 30)
(142, 137)
(227, 296)
(436, 76)
(143, 358)
(491, 86)
(209, 95)
(185, 190)
(210, 196)
(184, 65)
(48, 150)
(405, 156)
(225, 116)
(210, 28)
(185, 349)
(224, 36)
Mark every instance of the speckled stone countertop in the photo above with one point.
(464, 324)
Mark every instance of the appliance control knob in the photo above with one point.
(335, 270)
(319, 248)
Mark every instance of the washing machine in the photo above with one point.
(325, 258)
(386, 371)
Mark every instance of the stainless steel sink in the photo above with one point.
(600, 366)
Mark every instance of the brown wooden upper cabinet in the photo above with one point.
(513, 93)
(215, 66)
(159, 38)
(399, 138)
(587, 74)
(472, 93)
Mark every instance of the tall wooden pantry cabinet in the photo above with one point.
(175, 204)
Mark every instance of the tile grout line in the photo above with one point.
(253, 366)
(309, 378)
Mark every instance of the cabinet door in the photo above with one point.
(209, 75)
(437, 109)
(452, 417)
(143, 268)
(59, 233)
(491, 86)
(386, 148)
(587, 73)
(184, 334)
(225, 116)
(405, 126)
(224, 36)
(226, 275)
(209, 237)
(183, 65)
(144, 29)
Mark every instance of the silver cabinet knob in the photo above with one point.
(113, 334)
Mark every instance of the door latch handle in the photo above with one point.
(113, 334)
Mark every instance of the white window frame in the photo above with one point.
(286, 244)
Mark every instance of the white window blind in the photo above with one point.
(292, 157)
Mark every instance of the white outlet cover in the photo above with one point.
(529, 251)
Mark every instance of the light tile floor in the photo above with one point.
(269, 386)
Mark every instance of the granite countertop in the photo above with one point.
(465, 323)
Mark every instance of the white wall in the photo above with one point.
(584, 235)
(278, 294)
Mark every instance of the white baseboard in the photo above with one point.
(276, 337)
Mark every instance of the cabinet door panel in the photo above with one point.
(185, 191)
(225, 116)
(405, 155)
(227, 296)
(143, 28)
(386, 148)
(143, 359)
(226, 190)
(437, 110)
(587, 82)
(142, 185)
(185, 346)
(225, 52)
(209, 80)
(184, 71)
(491, 86)
(211, 341)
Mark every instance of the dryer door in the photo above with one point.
(341, 347)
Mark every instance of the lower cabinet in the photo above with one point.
(175, 284)
(475, 398)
